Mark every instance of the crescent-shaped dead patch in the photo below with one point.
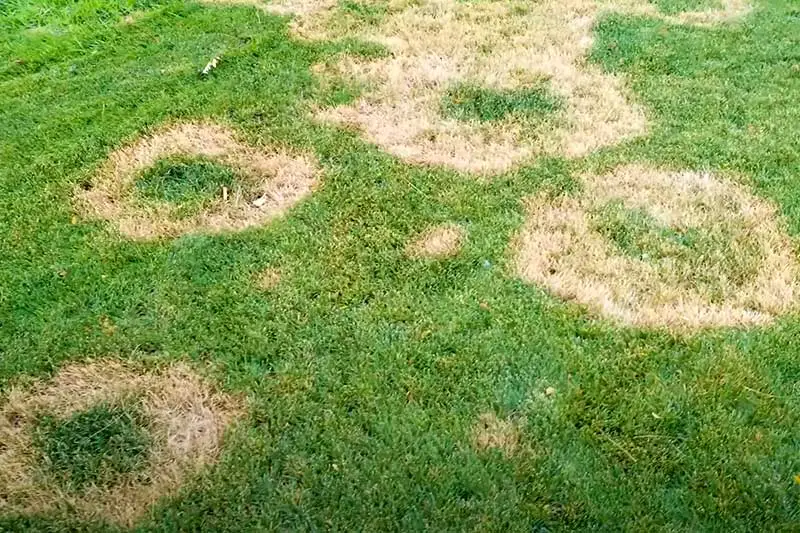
(186, 419)
(274, 180)
(680, 250)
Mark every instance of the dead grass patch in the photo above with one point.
(437, 45)
(299, 7)
(268, 278)
(493, 433)
(437, 242)
(499, 45)
(187, 420)
(712, 255)
(729, 11)
(275, 179)
(280, 7)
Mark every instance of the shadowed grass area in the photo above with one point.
(94, 446)
(367, 370)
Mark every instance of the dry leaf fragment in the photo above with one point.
(211, 65)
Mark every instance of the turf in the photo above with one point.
(367, 371)
(486, 105)
(93, 446)
(182, 180)
(671, 7)
(702, 259)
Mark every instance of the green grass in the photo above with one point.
(714, 260)
(188, 183)
(672, 7)
(182, 180)
(638, 234)
(366, 370)
(466, 102)
(93, 446)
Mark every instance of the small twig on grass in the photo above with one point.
(754, 391)
(620, 447)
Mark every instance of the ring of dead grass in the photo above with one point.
(499, 45)
(560, 249)
(437, 242)
(278, 179)
(187, 419)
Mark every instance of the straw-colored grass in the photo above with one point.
(682, 250)
(436, 45)
(729, 11)
(268, 278)
(441, 44)
(437, 242)
(187, 419)
(273, 180)
(493, 433)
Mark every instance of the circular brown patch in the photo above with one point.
(493, 433)
(682, 250)
(187, 419)
(279, 179)
(496, 44)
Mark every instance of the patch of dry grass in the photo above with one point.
(437, 242)
(741, 270)
(280, 7)
(268, 278)
(493, 433)
(437, 45)
(276, 180)
(187, 421)
(500, 45)
(729, 11)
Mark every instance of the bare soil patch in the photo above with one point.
(187, 421)
(274, 179)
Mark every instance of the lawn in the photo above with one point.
(371, 382)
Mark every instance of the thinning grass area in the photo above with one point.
(370, 374)
(94, 446)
